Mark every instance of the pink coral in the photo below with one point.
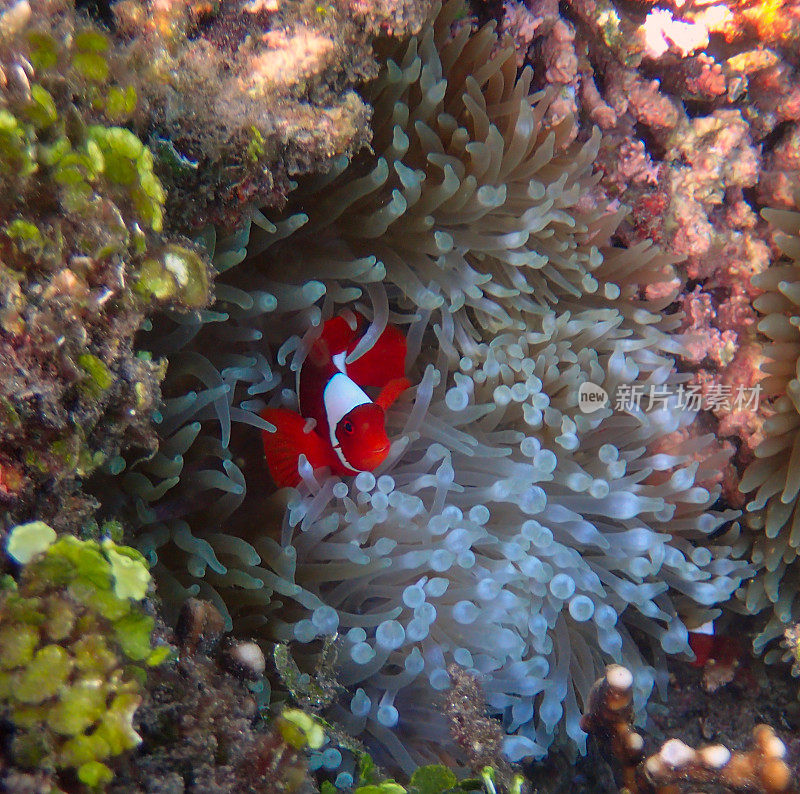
(520, 24)
(663, 33)
(704, 77)
(702, 339)
(634, 166)
(643, 99)
(782, 171)
(559, 54)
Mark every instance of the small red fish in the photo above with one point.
(702, 641)
(349, 435)
(709, 646)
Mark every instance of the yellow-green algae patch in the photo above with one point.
(73, 641)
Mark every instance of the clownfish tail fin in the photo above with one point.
(283, 447)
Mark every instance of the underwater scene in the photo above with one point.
(399, 396)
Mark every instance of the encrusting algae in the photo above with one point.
(240, 97)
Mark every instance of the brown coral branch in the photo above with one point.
(609, 717)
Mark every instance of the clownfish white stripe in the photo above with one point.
(706, 628)
(340, 396)
(338, 361)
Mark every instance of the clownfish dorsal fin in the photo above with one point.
(338, 334)
(385, 361)
(292, 437)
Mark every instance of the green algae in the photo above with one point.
(300, 730)
(28, 540)
(178, 273)
(73, 633)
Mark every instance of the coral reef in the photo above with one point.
(509, 532)
(513, 538)
(699, 107)
(83, 262)
(200, 729)
(609, 717)
(240, 97)
(74, 644)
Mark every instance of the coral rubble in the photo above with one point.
(609, 717)
(479, 736)
(200, 726)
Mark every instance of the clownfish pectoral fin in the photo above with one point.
(290, 440)
(391, 391)
(385, 361)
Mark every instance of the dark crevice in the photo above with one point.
(655, 148)
(775, 136)
(750, 196)
(98, 10)
(697, 108)
(693, 283)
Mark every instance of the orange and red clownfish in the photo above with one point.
(349, 435)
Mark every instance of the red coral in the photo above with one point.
(12, 481)
(704, 77)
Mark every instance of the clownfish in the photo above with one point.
(708, 646)
(348, 433)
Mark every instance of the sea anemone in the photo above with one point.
(512, 534)
(508, 532)
(775, 473)
(472, 202)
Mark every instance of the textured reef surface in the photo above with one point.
(82, 252)
(543, 198)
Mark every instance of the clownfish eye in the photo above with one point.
(347, 426)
